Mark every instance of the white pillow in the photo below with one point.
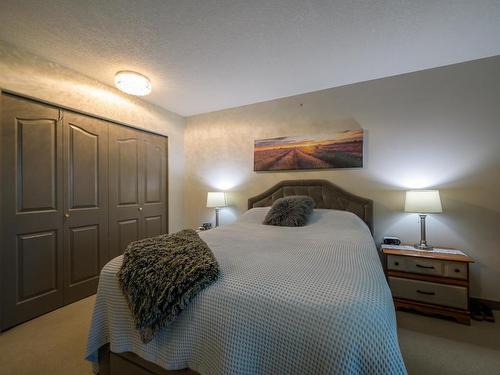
(320, 217)
(254, 215)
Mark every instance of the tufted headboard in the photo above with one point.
(324, 193)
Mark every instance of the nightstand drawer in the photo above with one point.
(396, 263)
(415, 265)
(434, 267)
(425, 266)
(456, 270)
(424, 291)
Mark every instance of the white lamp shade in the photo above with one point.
(216, 199)
(423, 201)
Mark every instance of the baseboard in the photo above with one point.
(494, 305)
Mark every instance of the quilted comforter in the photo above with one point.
(308, 300)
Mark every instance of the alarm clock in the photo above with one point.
(392, 241)
(205, 226)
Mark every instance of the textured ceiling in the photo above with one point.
(208, 55)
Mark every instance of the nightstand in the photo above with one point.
(431, 282)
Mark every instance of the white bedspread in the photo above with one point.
(309, 300)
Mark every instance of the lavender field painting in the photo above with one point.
(340, 150)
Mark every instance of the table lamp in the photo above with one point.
(423, 202)
(216, 199)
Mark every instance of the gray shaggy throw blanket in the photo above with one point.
(160, 275)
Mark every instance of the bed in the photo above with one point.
(308, 300)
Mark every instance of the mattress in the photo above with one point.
(307, 300)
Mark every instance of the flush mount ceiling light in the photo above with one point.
(132, 83)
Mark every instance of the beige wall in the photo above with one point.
(438, 128)
(27, 74)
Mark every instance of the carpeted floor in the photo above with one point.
(436, 346)
(54, 344)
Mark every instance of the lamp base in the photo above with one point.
(217, 217)
(422, 245)
(419, 246)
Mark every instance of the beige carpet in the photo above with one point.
(436, 346)
(55, 343)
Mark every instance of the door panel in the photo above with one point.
(36, 164)
(154, 160)
(37, 265)
(84, 173)
(31, 210)
(85, 204)
(153, 201)
(125, 187)
(153, 226)
(128, 231)
(84, 254)
(128, 171)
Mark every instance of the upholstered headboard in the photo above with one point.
(324, 193)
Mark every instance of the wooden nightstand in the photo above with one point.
(430, 282)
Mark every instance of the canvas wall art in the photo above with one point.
(338, 150)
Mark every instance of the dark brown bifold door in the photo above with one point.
(125, 188)
(32, 209)
(154, 197)
(137, 186)
(85, 204)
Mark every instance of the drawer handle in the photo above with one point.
(426, 293)
(396, 263)
(427, 267)
(457, 270)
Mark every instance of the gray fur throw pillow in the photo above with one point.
(291, 211)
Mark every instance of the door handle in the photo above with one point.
(426, 293)
(139, 209)
(427, 267)
(67, 215)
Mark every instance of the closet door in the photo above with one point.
(85, 204)
(137, 186)
(32, 210)
(153, 201)
(125, 187)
